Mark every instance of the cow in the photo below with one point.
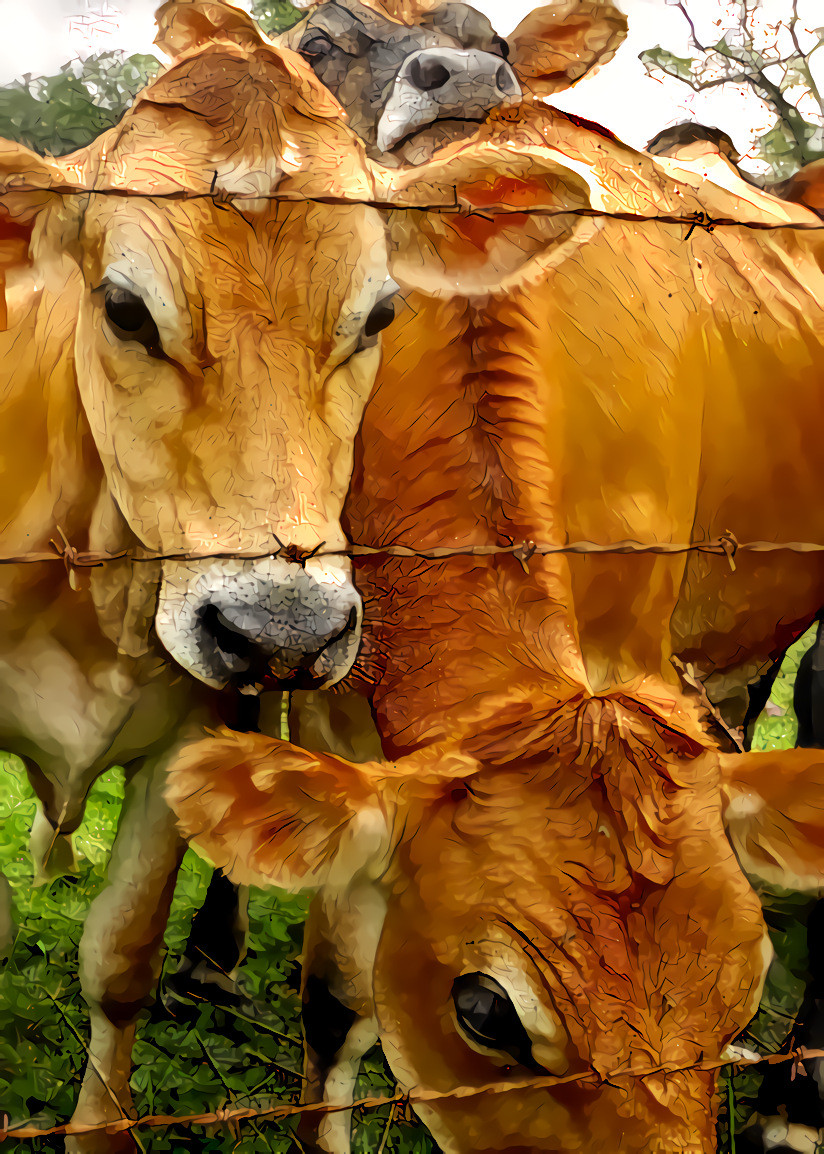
(183, 378)
(806, 187)
(127, 431)
(551, 872)
(369, 57)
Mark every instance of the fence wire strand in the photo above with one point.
(691, 220)
(278, 1111)
(726, 545)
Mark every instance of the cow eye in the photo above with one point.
(487, 1016)
(316, 46)
(129, 318)
(381, 315)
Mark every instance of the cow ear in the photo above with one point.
(187, 24)
(553, 47)
(520, 215)
(806, 187)
(29, 184)
(269, 813)
(773, 811)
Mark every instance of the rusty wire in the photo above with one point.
(281, 1110)
(691, 220)
(725, 545)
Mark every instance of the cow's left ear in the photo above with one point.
(29, 185)
(555, 46)
(187, 24)
(773, 811)
(269, 813)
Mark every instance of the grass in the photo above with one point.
(216, 1061)
(196, 1067)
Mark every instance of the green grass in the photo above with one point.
(201, 1066)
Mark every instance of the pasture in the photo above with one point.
(212, 1060)
(216, 1059)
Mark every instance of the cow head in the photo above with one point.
(574, 929)
(223, 351)
(414, 76)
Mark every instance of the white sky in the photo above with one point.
(41, 35)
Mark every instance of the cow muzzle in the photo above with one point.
(444, 83)
(272, 623)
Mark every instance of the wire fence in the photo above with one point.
(451, 202)
(281, 1110)
(725, 545)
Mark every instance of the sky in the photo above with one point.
(619, 95)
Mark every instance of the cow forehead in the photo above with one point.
(295, 264)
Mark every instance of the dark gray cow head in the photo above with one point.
(414, 76)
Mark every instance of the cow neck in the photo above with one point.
(53, 476)
(454, 452)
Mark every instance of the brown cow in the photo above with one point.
(542, 882)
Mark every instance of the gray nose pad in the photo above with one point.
(442, 84)
(244, 632)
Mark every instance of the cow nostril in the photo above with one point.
(427, 74)
(502, 78)
(231, 638)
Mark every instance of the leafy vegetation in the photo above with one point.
(774, 58)
(212, 1061)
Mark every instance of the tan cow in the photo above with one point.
(149, 346)
(182, 375)
(548, 879)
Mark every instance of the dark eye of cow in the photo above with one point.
(316, 46)
(129, 318)
(381, 315)
(487, 1016)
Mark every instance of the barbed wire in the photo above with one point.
(726, 545)
(692, 220)
(281, 1110)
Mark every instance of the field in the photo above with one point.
(216, 1059)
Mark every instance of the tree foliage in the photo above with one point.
(775, 60)
(60, 113)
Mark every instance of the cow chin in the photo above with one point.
(268, 623)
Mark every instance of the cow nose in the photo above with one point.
(267, 622)
(244, 632)
(442, 84)
(428, 73)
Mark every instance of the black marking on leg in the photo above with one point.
(326, 1021)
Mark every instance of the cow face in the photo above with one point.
(226, 358)
(224, 352)
(570, 942)
(448, 70)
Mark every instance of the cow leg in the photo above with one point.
(120, 950)
(215, 948)
(339, 1023)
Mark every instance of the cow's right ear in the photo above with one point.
(555, 46)
(29, 184)
(187, 24)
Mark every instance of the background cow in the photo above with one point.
(544, 873)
